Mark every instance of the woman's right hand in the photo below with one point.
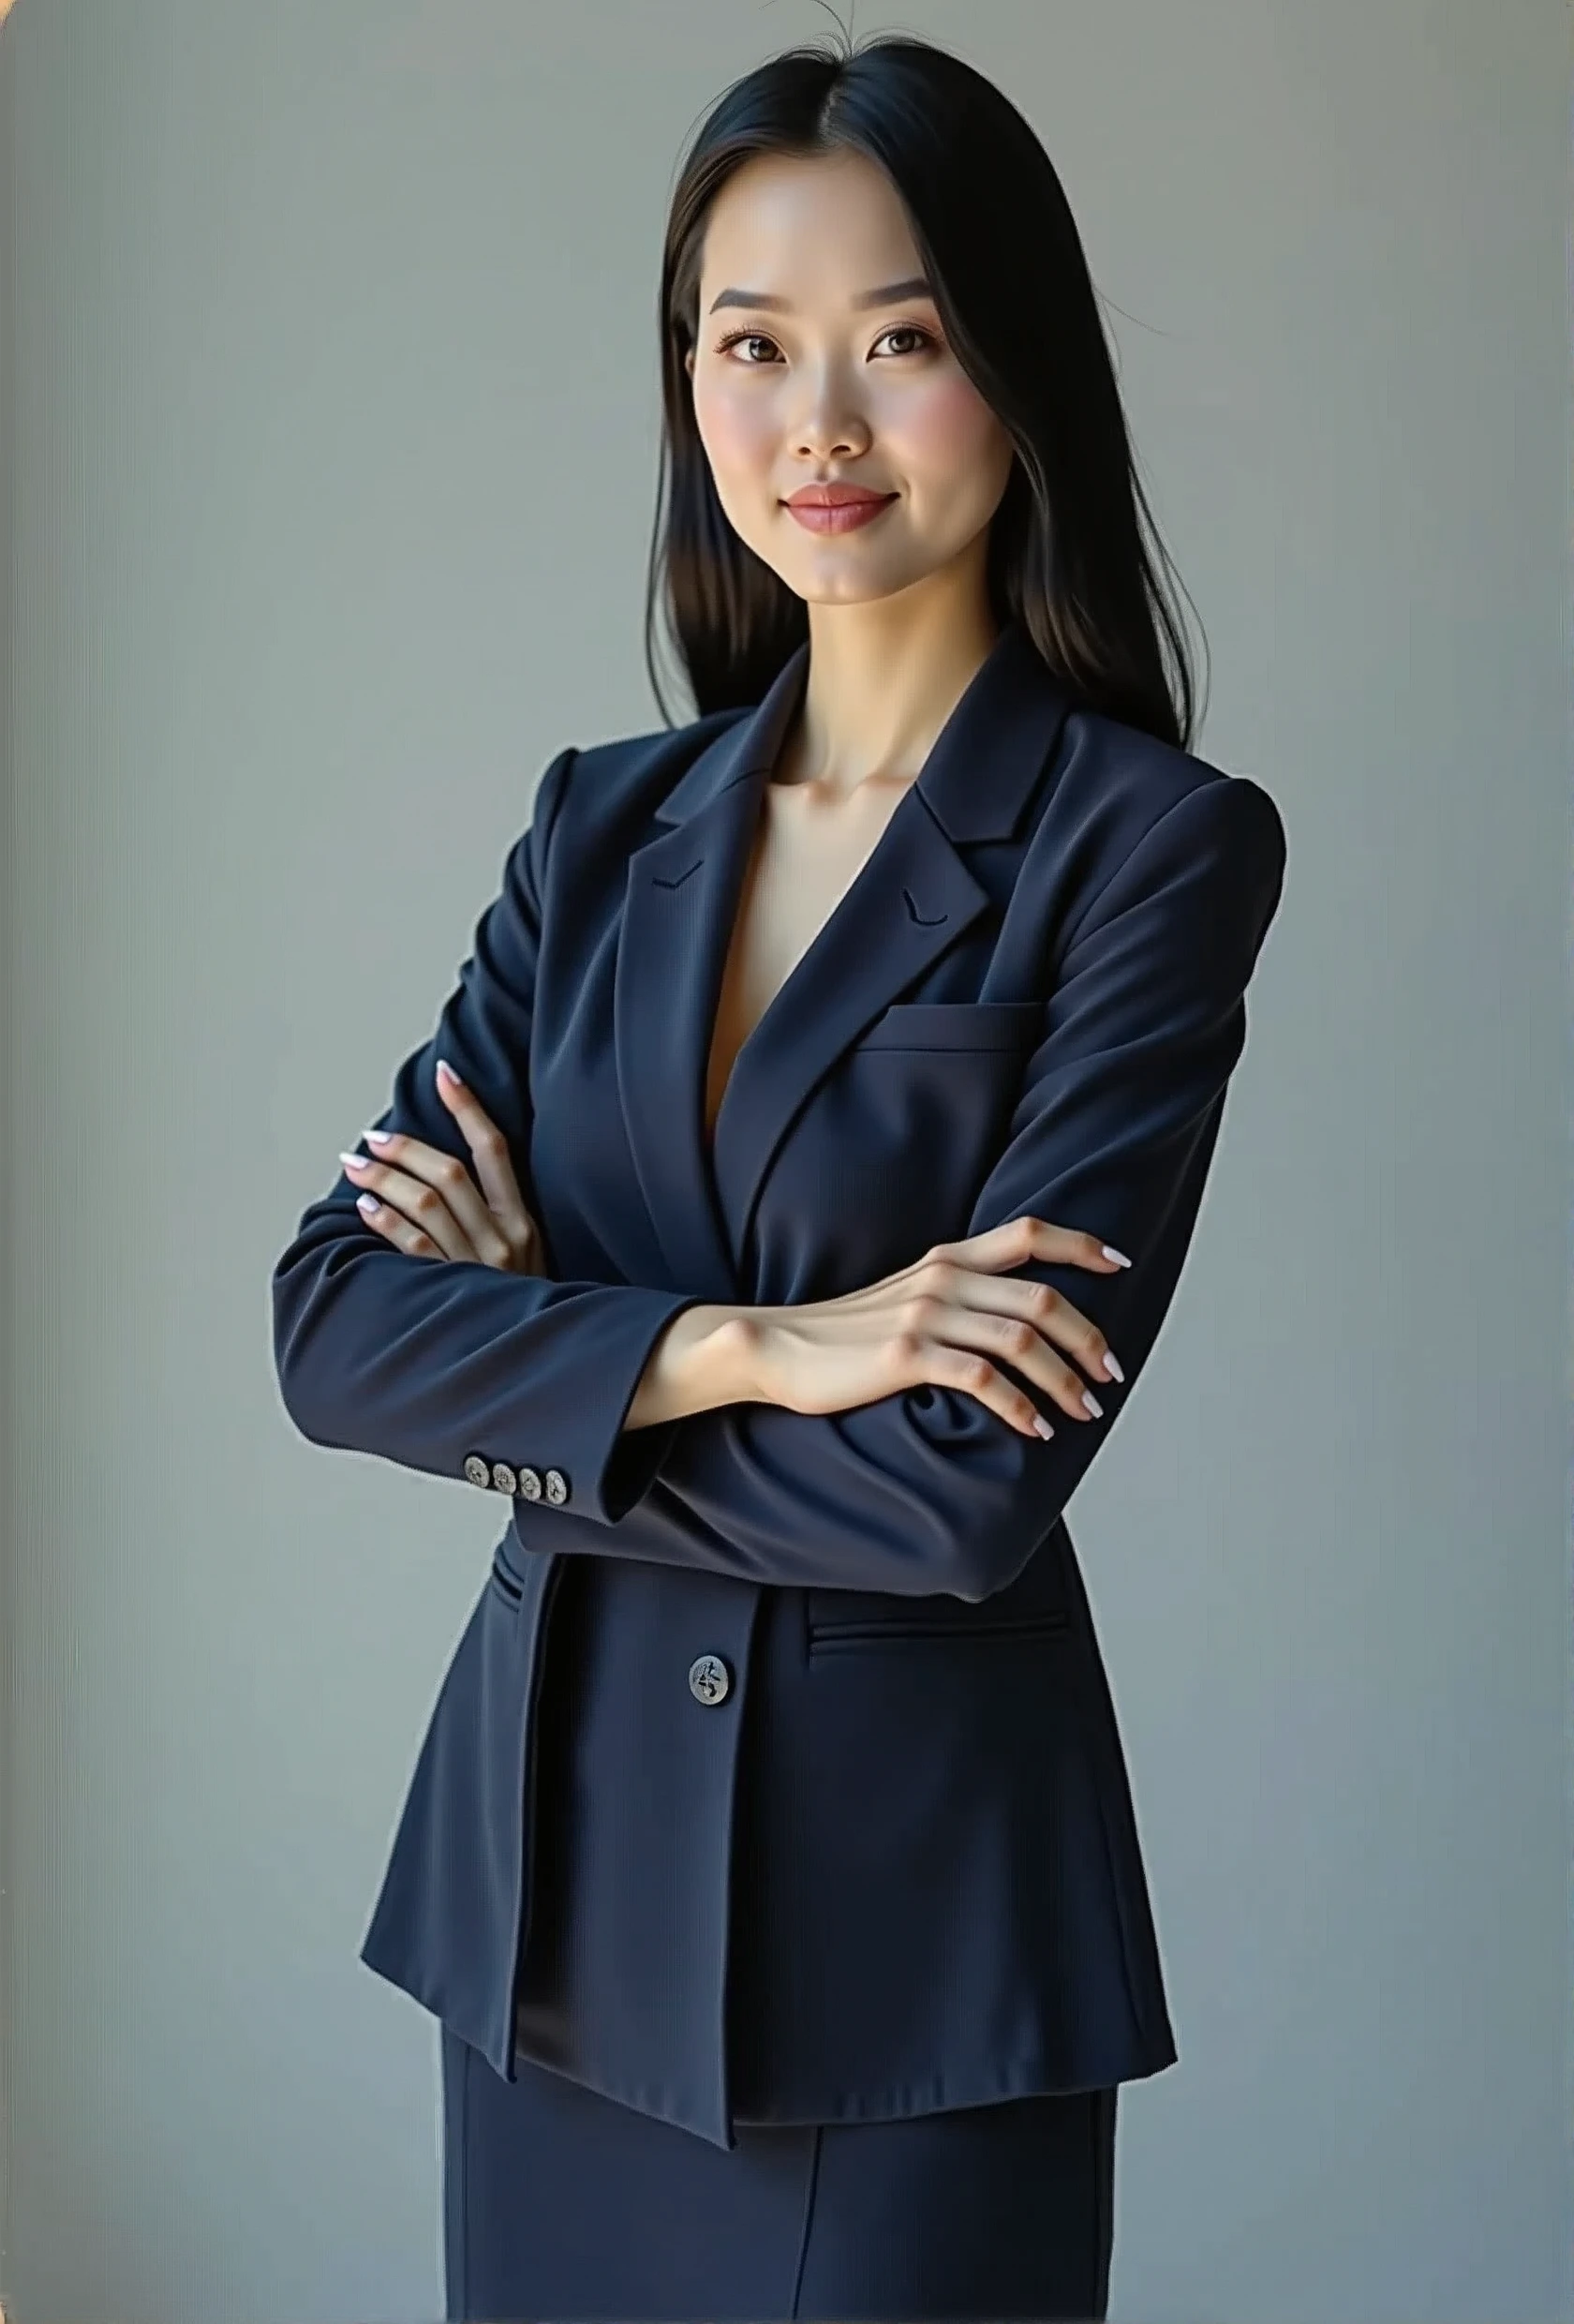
(948, 1321)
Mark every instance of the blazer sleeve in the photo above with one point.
(427, 1363)
(927, 1490)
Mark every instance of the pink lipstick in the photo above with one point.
(837, 508)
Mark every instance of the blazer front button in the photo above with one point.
(556, 1485)
(529, 1484)
(502, 1477)
(477, 1470)
(709, 1678)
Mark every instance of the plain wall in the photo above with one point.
(330, 416)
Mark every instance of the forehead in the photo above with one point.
(796, 224)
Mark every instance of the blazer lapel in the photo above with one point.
(679, 906)
(912, 900)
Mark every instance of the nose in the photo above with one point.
(832, 427)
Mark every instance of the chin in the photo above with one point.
(856, 589)
(847, 573)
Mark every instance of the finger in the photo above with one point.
(1019, 1239)
(971, 1374)
(418, 1201)
(493, 1162)
(1007, 1338)
(396, 1229)
(1049, 1312)
(485, 1236)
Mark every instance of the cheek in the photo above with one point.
(949, 437)
(733, 428)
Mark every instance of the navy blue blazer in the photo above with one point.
(850, 1830)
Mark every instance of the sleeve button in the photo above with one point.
(503, 1477)
(529, 1486)
(477, 1470)
(556, 1485)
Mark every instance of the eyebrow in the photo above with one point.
(915, 287)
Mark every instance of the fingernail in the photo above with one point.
(376, 1138)
(366, 1202)
(1092, 1404)
(353, 1161)
(1111, 1366)
(1119, 1257)
(447, 1073)
(1042, 1425)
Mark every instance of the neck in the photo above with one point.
(883, 676)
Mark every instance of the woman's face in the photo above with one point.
(815, 364)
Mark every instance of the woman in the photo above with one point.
(823, 1109)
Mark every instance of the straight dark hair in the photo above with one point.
(1067, 557)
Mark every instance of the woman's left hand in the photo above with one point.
(423, 1201)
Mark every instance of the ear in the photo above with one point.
(689, 362)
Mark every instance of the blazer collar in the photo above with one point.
(1013, 703)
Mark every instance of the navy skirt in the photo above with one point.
(560, 2203)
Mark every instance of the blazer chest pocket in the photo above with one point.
(911, 1124)
(1009, 1025)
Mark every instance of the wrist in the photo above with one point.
(708, 1356)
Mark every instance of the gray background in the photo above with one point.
(330, 416)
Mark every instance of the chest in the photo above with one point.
(772, 1054)
(804, 859)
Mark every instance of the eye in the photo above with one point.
(893, 331)
(913, 331)
(733, 338)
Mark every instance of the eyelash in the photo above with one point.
(733, 337)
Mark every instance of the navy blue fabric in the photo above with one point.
(559, 2203)
(894, 1868)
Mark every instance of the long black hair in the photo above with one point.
(1067, 557)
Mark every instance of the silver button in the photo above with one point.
(709, 1678)
(529, 1486)
(502, 1476)
(477, 1470)
(556, 1485)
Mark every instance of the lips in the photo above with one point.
(837, 508)
(834, 496)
